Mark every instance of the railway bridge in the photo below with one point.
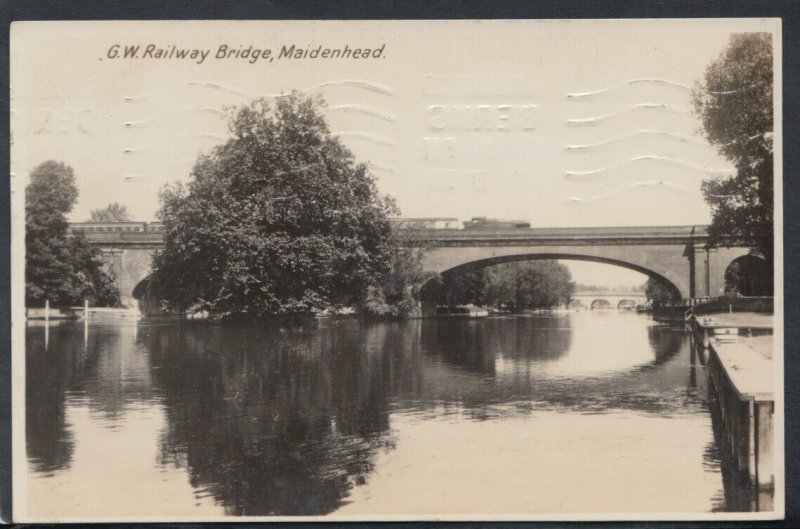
(678, 256)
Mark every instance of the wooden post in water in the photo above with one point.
(46, 323)
(750, 424)
(85, 324)
(765, 439)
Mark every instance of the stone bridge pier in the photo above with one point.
(129, 266)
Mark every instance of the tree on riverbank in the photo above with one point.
(528, 285)
(396, 295)
(511, 286)
(462, 287)
(60, 266)
(734, 103)
(279, 219)
(658, 293)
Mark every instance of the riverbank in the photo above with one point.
(739, 320)
(740, 367)
(752, 309)
(74, 313)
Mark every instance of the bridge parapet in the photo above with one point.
(573, 236)
(132, 232)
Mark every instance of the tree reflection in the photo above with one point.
(270, 422)
(48, 375)
(474, 345)
(101, 369)
(287, 421)
(665, 341)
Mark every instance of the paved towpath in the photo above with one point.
(749, 370)
(742, 320)
(748, 360)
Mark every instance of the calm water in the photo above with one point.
(581, 412)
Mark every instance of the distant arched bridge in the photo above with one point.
(678, 256)
(606, 300)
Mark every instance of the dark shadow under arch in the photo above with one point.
(749, 275)
(141, 287)
(600, 304)
(482, 263)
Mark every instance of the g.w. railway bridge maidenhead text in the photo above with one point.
(249, 53)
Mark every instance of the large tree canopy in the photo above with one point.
(277, 220)
(734, 103)
(59, 266)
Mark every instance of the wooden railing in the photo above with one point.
(727, 303)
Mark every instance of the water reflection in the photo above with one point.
(50, 376)
(270, 424)
(738, 494)
(259, 421)
(480, 345)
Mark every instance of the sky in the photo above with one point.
(561, 123)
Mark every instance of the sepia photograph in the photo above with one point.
(397, 270)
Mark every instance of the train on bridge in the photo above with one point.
(452, 223)
(116, 227)
(417, 223)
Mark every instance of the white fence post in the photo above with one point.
(85, 324)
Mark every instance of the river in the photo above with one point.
(584, 412)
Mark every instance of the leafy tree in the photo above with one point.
(659, 293)
(277, 220)
(48, 198)
(113, 212)
(460, 287)
(59, 266)
(511, 286)
(734, 103)
(396, 296)
(96, 283)
(528, 285)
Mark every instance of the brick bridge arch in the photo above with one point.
(678, 256)
(516, 257)
(431, 257)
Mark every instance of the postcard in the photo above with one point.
(397, 270)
